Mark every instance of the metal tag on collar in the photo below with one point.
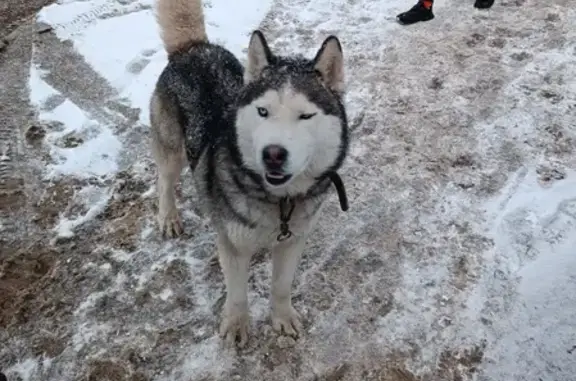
(285, 233)
(286, 208)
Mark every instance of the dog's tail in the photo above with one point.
(181, 23)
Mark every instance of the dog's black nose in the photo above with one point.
(274, 156)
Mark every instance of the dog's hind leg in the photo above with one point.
(170, 157)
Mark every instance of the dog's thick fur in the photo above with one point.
(210, 112)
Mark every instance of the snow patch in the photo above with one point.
(132, 59)
(27, 370)
(83, 148)
(40, 91)
(66, 227)
(201, 360)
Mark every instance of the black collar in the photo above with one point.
(287, 204)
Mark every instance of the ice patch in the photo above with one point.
(524, 212)
(535, 229)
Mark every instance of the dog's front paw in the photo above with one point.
(286, 320)
(170, 223)
(234, 328)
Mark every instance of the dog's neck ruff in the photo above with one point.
(287, 205)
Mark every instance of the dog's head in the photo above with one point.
(291, 126)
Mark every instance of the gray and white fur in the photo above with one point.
(258, 140)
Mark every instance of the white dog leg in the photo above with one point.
(285, 259)
(235, 317)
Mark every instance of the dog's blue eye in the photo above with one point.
(262, 112)
(306, 116)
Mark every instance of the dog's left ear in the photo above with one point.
(329, 62)
(259, 56)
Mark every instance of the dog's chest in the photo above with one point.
(268, 223)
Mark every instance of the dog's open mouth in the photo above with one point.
(277, 178)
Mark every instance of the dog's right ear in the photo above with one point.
(259, 56)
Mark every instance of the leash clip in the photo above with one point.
(285, 215)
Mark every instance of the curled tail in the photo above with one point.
(181, 23)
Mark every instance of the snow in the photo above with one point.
(40, 91)
(136, 41)
(26, 369)
(114, 65)
(405, 236)
(65, 227)
(86, 160)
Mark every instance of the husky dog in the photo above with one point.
(264, 143)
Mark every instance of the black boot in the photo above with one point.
(417, 13)
(483, 4)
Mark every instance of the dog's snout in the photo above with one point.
(274, 155)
